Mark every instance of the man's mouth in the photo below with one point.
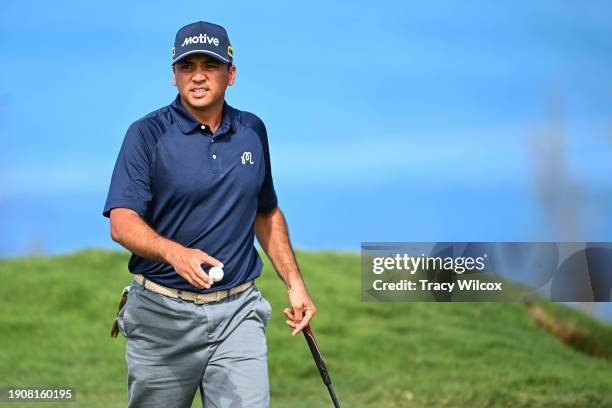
(200, 91)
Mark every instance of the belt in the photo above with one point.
(194, 297)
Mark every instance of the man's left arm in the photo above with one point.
(273, 236)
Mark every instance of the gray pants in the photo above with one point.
(175, 346)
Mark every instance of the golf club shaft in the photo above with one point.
(318, 357)
(330, 388)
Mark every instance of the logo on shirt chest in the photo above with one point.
(247, 158)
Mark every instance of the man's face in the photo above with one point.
(202, 80)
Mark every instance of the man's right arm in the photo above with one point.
(132, 232)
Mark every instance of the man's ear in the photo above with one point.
(173, 75)
(232, 75)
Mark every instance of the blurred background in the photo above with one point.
(388, 121)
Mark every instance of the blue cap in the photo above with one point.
(202, 38)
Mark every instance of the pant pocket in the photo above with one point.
(266, 310)
(119, 323)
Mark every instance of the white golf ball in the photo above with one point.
(215, 273)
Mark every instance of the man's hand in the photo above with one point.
(187, 262)
(273, 235)
(130, 230)
(303, 308)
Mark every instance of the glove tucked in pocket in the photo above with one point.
(115, 330)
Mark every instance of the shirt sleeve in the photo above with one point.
(267, 200)
(130, 185)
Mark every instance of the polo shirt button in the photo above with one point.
(214, 156)
(203, 127)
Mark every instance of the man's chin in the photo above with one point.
(200, 103)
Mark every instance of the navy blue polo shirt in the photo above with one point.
(200, 189)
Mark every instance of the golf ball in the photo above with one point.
(215, 273)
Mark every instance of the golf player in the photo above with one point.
(191, 188)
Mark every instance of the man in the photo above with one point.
(191, 187)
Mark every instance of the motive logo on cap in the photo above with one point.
(201, 39)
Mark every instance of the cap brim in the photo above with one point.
(211, 53)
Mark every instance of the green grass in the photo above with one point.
(57, 312)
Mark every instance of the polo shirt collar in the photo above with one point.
(187, 123)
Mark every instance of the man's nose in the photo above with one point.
(200, 75)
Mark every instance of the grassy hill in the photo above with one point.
(57, 312)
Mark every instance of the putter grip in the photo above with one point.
(316, 354)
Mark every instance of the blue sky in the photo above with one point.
(388, 120)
